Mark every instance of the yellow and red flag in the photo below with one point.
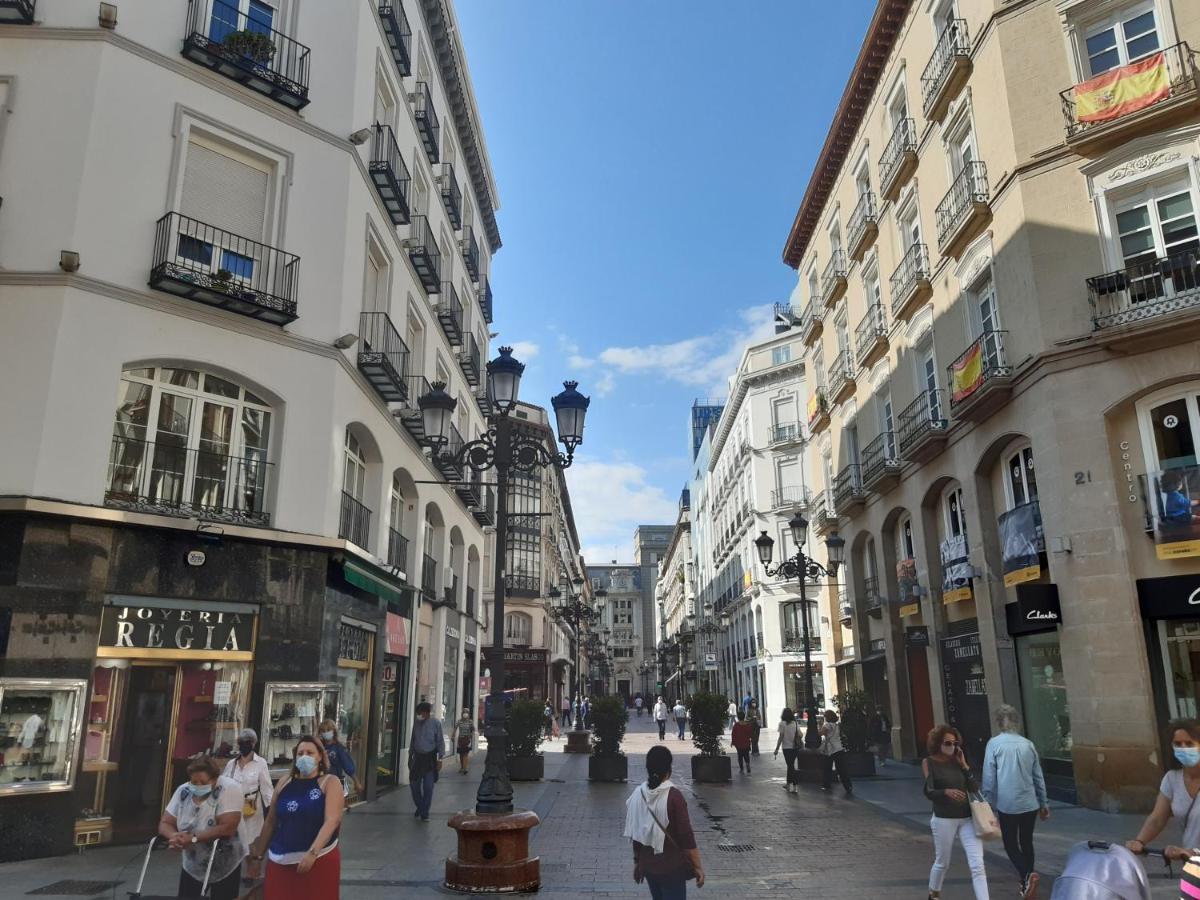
(966, 375)
(814, 406)
(1123, 90)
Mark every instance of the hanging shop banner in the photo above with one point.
(909, 609)
(906, 581)
(397, 635)
(1021, 543)
(1174, 498)
(956, 571)
(1123, 90)
(966, 373)
(177, 632)
(710, 662)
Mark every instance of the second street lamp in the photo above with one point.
(574, 611)
(802, 568)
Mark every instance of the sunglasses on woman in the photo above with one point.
(952, 744)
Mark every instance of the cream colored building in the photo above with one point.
(675, 595)
(999, 273)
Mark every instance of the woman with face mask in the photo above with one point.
(251, 771)
(341, 763)
(1177, 795)
(300, 836)
(206, 809)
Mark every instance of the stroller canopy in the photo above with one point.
(1097, 871)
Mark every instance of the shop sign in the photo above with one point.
(916, 636)
(354, 644)
(389, 673)
(710, 662)
(879, 645)
(196, 558)
(956, 570)
(965, 689)
(1037, 609)
(452, 632)
(159, 630)
(396, 632)
(909, 609)
(1177, 596)
(470, 640)
(1173, 496)
(1021, 543)
(525, 656)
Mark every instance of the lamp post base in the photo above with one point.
(578, 742)
(493, 853)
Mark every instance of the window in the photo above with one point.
(962, 147)
(1156, 223)
(1121, 38)
(375, 280)
(396, 505)
(225, 189)
(354, 479)
(843, 336)
(835, 241)
(1170, 424)
(904, 538)
(518, 629)
(956, 515)
(780, 355)
(385, 101)
(415, 338)
(897, 105)
(229, 16)
(1021, 484)
(819, 370)
(874, 292)
(862, 177)
(909, 222)
(189, 440)
(928, 380)
(887, 425)
(814, 289)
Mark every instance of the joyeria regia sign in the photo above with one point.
(176, 632)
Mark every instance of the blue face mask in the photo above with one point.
(1188, 756)
(306, 765)
(201, 790)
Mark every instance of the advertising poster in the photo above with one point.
(956, 571)
(906, 581)
(1021, 544)
(1175, 499)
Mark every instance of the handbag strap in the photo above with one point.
(650, 809)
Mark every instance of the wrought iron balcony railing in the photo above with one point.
(967, 196)
(811, 322)
(950, 54)
(977, 369)
(354, 523)
(244, 47)
(871, 334)
(1145, 290)
(485, 298)
(17, 12)
(468, 358)
(863, 225)
(792, 496)
(881, 458)
(410, 416)
(206, 483)
(786, 432)
(428, 126)
(399, 34)
(793, 642)
(910, 279)
(397, 556)
(833, 279)
(922, 419)
(470, 601)
(899, 155)
(841, 376)
(470, 252)
(390, 174)
(424, 254)
(848, 488)
(451, 195)
(428, 577)
(382, 356)
(219, 268)
(450, 313)
(451, 470)
(872, 598)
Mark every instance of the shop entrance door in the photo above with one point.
(145, 745)
(922, 699)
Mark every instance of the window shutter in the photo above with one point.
(224, 192)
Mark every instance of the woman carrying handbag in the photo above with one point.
(789, 741)
(656, 820)
(949, 785)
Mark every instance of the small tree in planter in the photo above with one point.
(251, 45)
(706, 715)
(525, 724)
(854, 708)
(608, 719)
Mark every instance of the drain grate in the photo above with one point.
(735, 848)
(73, 888)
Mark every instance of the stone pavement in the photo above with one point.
(754, 838)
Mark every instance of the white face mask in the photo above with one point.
(327, 735)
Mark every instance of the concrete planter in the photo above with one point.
(810, 767)
(526, 768)
(608, 768)
(858, 765)
(712, 769)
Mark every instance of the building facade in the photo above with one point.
(622, 629)
(676, 600)
(233, 254)
(996, 263)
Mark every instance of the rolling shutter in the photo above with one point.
(224, 192)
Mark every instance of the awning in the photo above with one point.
(362, 577)
(842, 663)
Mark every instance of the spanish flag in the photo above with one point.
(1123, 90)
(814, 406)
(967, 374)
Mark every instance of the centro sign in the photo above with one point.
(158, 630)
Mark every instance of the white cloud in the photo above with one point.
(610, 499)
(525, 350)
(575, 361)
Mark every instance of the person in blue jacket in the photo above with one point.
(341, 763)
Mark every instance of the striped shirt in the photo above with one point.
(1189, 884)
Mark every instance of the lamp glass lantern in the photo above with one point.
(570, 408)
(765, 546)
(836, 545)
(437, 407)
(504, 380)
(799, 526)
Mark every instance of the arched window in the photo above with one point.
(397, 542)
(1020, 484)
(190, 442)
(518, 629)
(904, 538)
(355, 481)
(956, 514)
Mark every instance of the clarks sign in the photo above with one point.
(162, 631)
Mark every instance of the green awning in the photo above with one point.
(362, 577)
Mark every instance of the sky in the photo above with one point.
(650, 156)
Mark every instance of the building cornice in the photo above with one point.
(741, 387)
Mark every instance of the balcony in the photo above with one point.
(1155, 299)
(786, 433)
(793, 642)
(833, 279)
(17, 12)
(964, 208)
(1110, 122)
(399, 34)
(410, 416)
(482, 399)
(881, 462)
(898, 161)
(244, 48)
(468, 359)
(818, 411)
(428, 578)
(787, 317)
(471, 608)
(923, 427)
(450, 594)
(871, 336)
(910, 282)
(354, 522)
(390, 174)
(451, 195)
(811, 324)
(872, 598)
(222, 269)
(470, 252)
(485, 298)
(846, 613)
(450, 469)
(791, 497)
(427, 121)
(863, 226)
(947, 70)
(382, 356)
(449, 311)
(841, 377)
(484, 510)
(848, 491)
(424, 254)
(168, 480)
(822, 513)
(397, 553)
(980, 379)
(470, 487)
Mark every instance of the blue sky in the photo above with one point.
(650, 157)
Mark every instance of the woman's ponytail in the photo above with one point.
(653, 780)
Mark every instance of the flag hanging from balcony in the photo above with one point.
(814, 407)
(1123, 90)
(966, 374)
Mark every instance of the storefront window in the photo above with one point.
(1181, 653)
(292, 710)
(355, 653)
(39, 730)
(449, 680)
(1044, 694)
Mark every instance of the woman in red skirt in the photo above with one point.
(300, 835)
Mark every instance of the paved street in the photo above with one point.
(754, 838)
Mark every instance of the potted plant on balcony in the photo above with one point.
(222, 280)
(706, 715)
(251, 45)
(854, 708)
(525, 726)
(608, 718)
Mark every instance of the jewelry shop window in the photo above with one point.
(40, 723)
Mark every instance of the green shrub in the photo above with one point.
(608, 718)
(250, 44)
(854, 709)
(526, 725)
(706, 716)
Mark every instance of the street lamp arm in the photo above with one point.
(792, 568)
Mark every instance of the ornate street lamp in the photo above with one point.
(573, 610)
(802, 568)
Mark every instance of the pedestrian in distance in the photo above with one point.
(731, 715)
(755, 721)
(585, 711)
(463, 737)
(742, 738)
(251, 771)
(548, 720)
(1015, 787)
(1177, 795)
(300, 836)
(637, 702)
(656, 820)
(566, 710)
(206, 809)
(660, 717)
(681, 714)
(789, 741)
(425, 752)
(949, 785)
(341, 763)
(746, 702)
(881, 735)
(834, 753)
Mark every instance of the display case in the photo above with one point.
(289, 711)
(41, 721)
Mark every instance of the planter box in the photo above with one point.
(810, 767)
(712, 769)
(578, 742)
(859, 765)
(608, 768)
(526, 768)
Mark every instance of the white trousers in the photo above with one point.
(944, 831)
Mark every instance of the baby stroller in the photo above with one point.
(137, 894)
(1097, 870)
